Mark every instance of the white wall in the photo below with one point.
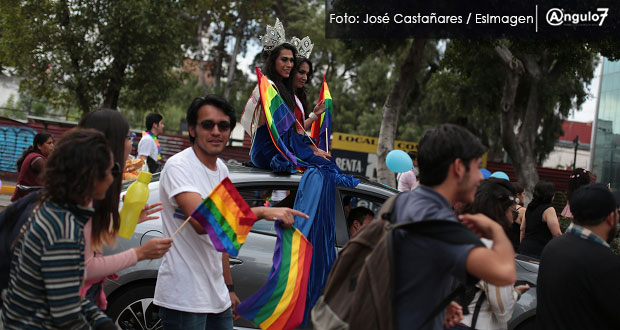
(564, 156)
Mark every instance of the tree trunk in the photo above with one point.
(393, 104)
(116, 81)
(520, 146)
(80, 89)
(232, 68)
(220, 52)
(202, 22)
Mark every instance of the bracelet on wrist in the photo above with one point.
(313, 116)
(231, 287)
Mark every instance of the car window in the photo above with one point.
(349, 199)
(262, 196)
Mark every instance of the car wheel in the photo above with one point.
(133, 309)
(529, 324)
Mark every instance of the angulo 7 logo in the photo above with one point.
(558, 16)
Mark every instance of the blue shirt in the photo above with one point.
(426, 268)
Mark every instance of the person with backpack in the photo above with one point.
(449, 158)
(397, 273)
(47, 266)
(487, 306)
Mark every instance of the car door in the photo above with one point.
(251, 267)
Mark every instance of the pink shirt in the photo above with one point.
(407, 181)
(99, 267)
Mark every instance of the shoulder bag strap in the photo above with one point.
(474, 318)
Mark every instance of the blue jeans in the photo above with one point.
(177, 320)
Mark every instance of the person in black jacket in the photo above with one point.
(578, 285)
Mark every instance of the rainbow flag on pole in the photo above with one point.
(322, 128)
(281, 302)
(226, 217)
(279, 117)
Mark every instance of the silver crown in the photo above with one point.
(274, 36)
(304, 46)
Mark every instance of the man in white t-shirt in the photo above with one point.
(194, 286)
(148, 147)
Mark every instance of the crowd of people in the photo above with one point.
(57, 268)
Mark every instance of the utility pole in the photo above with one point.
(576, 143)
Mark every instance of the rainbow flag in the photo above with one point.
(322, 128)
(226, 217)
(281, 302)
(279, 118)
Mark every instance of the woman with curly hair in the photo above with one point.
(48, 261)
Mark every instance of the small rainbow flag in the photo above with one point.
(281, 302)
(322, 128)
(279, 117)
(226, 217)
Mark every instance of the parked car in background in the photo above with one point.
(130, 297)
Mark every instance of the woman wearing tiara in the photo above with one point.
(303, 74)
(316, 194)
(280, 68)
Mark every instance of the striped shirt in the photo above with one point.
(47, 270)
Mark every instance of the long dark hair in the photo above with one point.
(115, 128)
(284, 85)
(301, 92)
(39, 139)
(81, 156)
(493, 198)
(543, 194)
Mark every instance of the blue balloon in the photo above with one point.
(398, 161)
(485, 173)
(500, 175)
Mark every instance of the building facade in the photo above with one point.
(606, 133)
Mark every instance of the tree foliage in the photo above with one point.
(83, 53)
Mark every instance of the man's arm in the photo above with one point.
(188, 201)
(495, 265)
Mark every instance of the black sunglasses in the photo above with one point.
(116, 169)
(224, 126)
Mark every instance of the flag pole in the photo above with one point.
(326, 140)
(306, 133)
(186, 220)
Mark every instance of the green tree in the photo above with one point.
(86, 53)
(521, 89)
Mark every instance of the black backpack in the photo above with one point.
(359, 292)
(12, 219)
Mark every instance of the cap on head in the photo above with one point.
(590, 204)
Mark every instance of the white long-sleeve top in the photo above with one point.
(497, 307)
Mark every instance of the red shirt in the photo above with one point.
(27, 176)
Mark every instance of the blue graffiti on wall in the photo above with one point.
(13, 141)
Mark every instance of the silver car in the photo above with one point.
(130, 297)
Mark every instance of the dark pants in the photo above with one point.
(177, 320)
